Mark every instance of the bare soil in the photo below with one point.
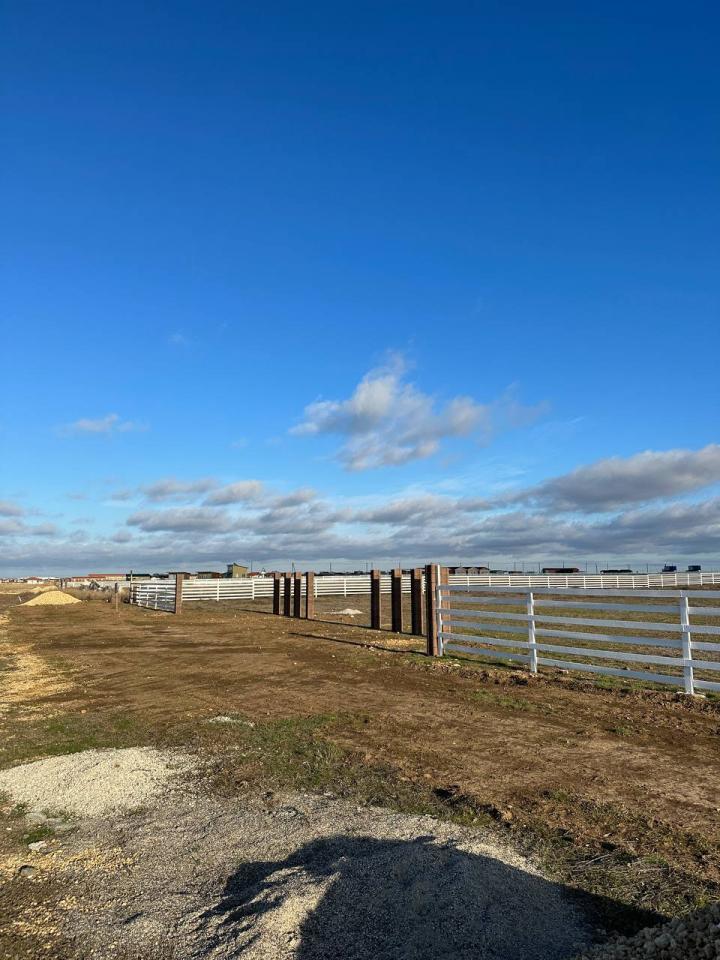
(616, 789)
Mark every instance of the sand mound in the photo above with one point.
(693, 937)
(51, 598)
(94, 782)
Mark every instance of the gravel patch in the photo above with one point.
(693, 937)
(308, 878)
(95, 782)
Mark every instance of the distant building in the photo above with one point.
(561, 569)
(208, 575)
(236, 570)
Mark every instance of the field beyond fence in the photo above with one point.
(662, 636)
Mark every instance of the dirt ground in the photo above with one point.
(615, 789)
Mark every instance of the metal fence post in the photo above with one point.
(309, 595)
(287, 594)
(374, 599)
(276, 594)
(396, 601)
(416, 602)
(531, 632)
(297, 595)
(686, 644)
(179, 577)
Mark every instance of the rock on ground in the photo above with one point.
(693, 937)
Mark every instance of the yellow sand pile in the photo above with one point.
(51, 598)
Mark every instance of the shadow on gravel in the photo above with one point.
(360, 898)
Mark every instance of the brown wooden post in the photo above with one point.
(396, 600)
(287, 594)
(117, 597)
(309, 595)
(431, 581)
(276, 593)
(374, 599)
(179, 577)
(416, 601)
(297, 595)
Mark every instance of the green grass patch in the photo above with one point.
(299, 753)
(505, 700)
(29, 739)
(35, 834)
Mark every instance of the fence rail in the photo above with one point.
(159, 595)
(252, 588)
(644, 636)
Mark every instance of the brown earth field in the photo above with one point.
(613, 788)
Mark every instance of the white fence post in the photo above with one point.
(686, 644)
(438, 615)
(531, 632)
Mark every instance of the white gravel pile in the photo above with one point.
(94, 782)
(308, 878)
(693, 937)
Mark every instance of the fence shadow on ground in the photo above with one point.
(366, 641)
(362, 898)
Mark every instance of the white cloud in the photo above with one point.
(109, 424)
(10, 509)
(243, 491)
(14, 527)
(170, 488)
(182, 520)
(617, 482)
(388, 421)
(248, 519)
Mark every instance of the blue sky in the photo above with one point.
(393, 267)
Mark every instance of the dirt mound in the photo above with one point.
(693, 937)
(51, 598)
(94, 782)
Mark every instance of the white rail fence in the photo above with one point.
(146, 593)
(154, 595)
(539, 627)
